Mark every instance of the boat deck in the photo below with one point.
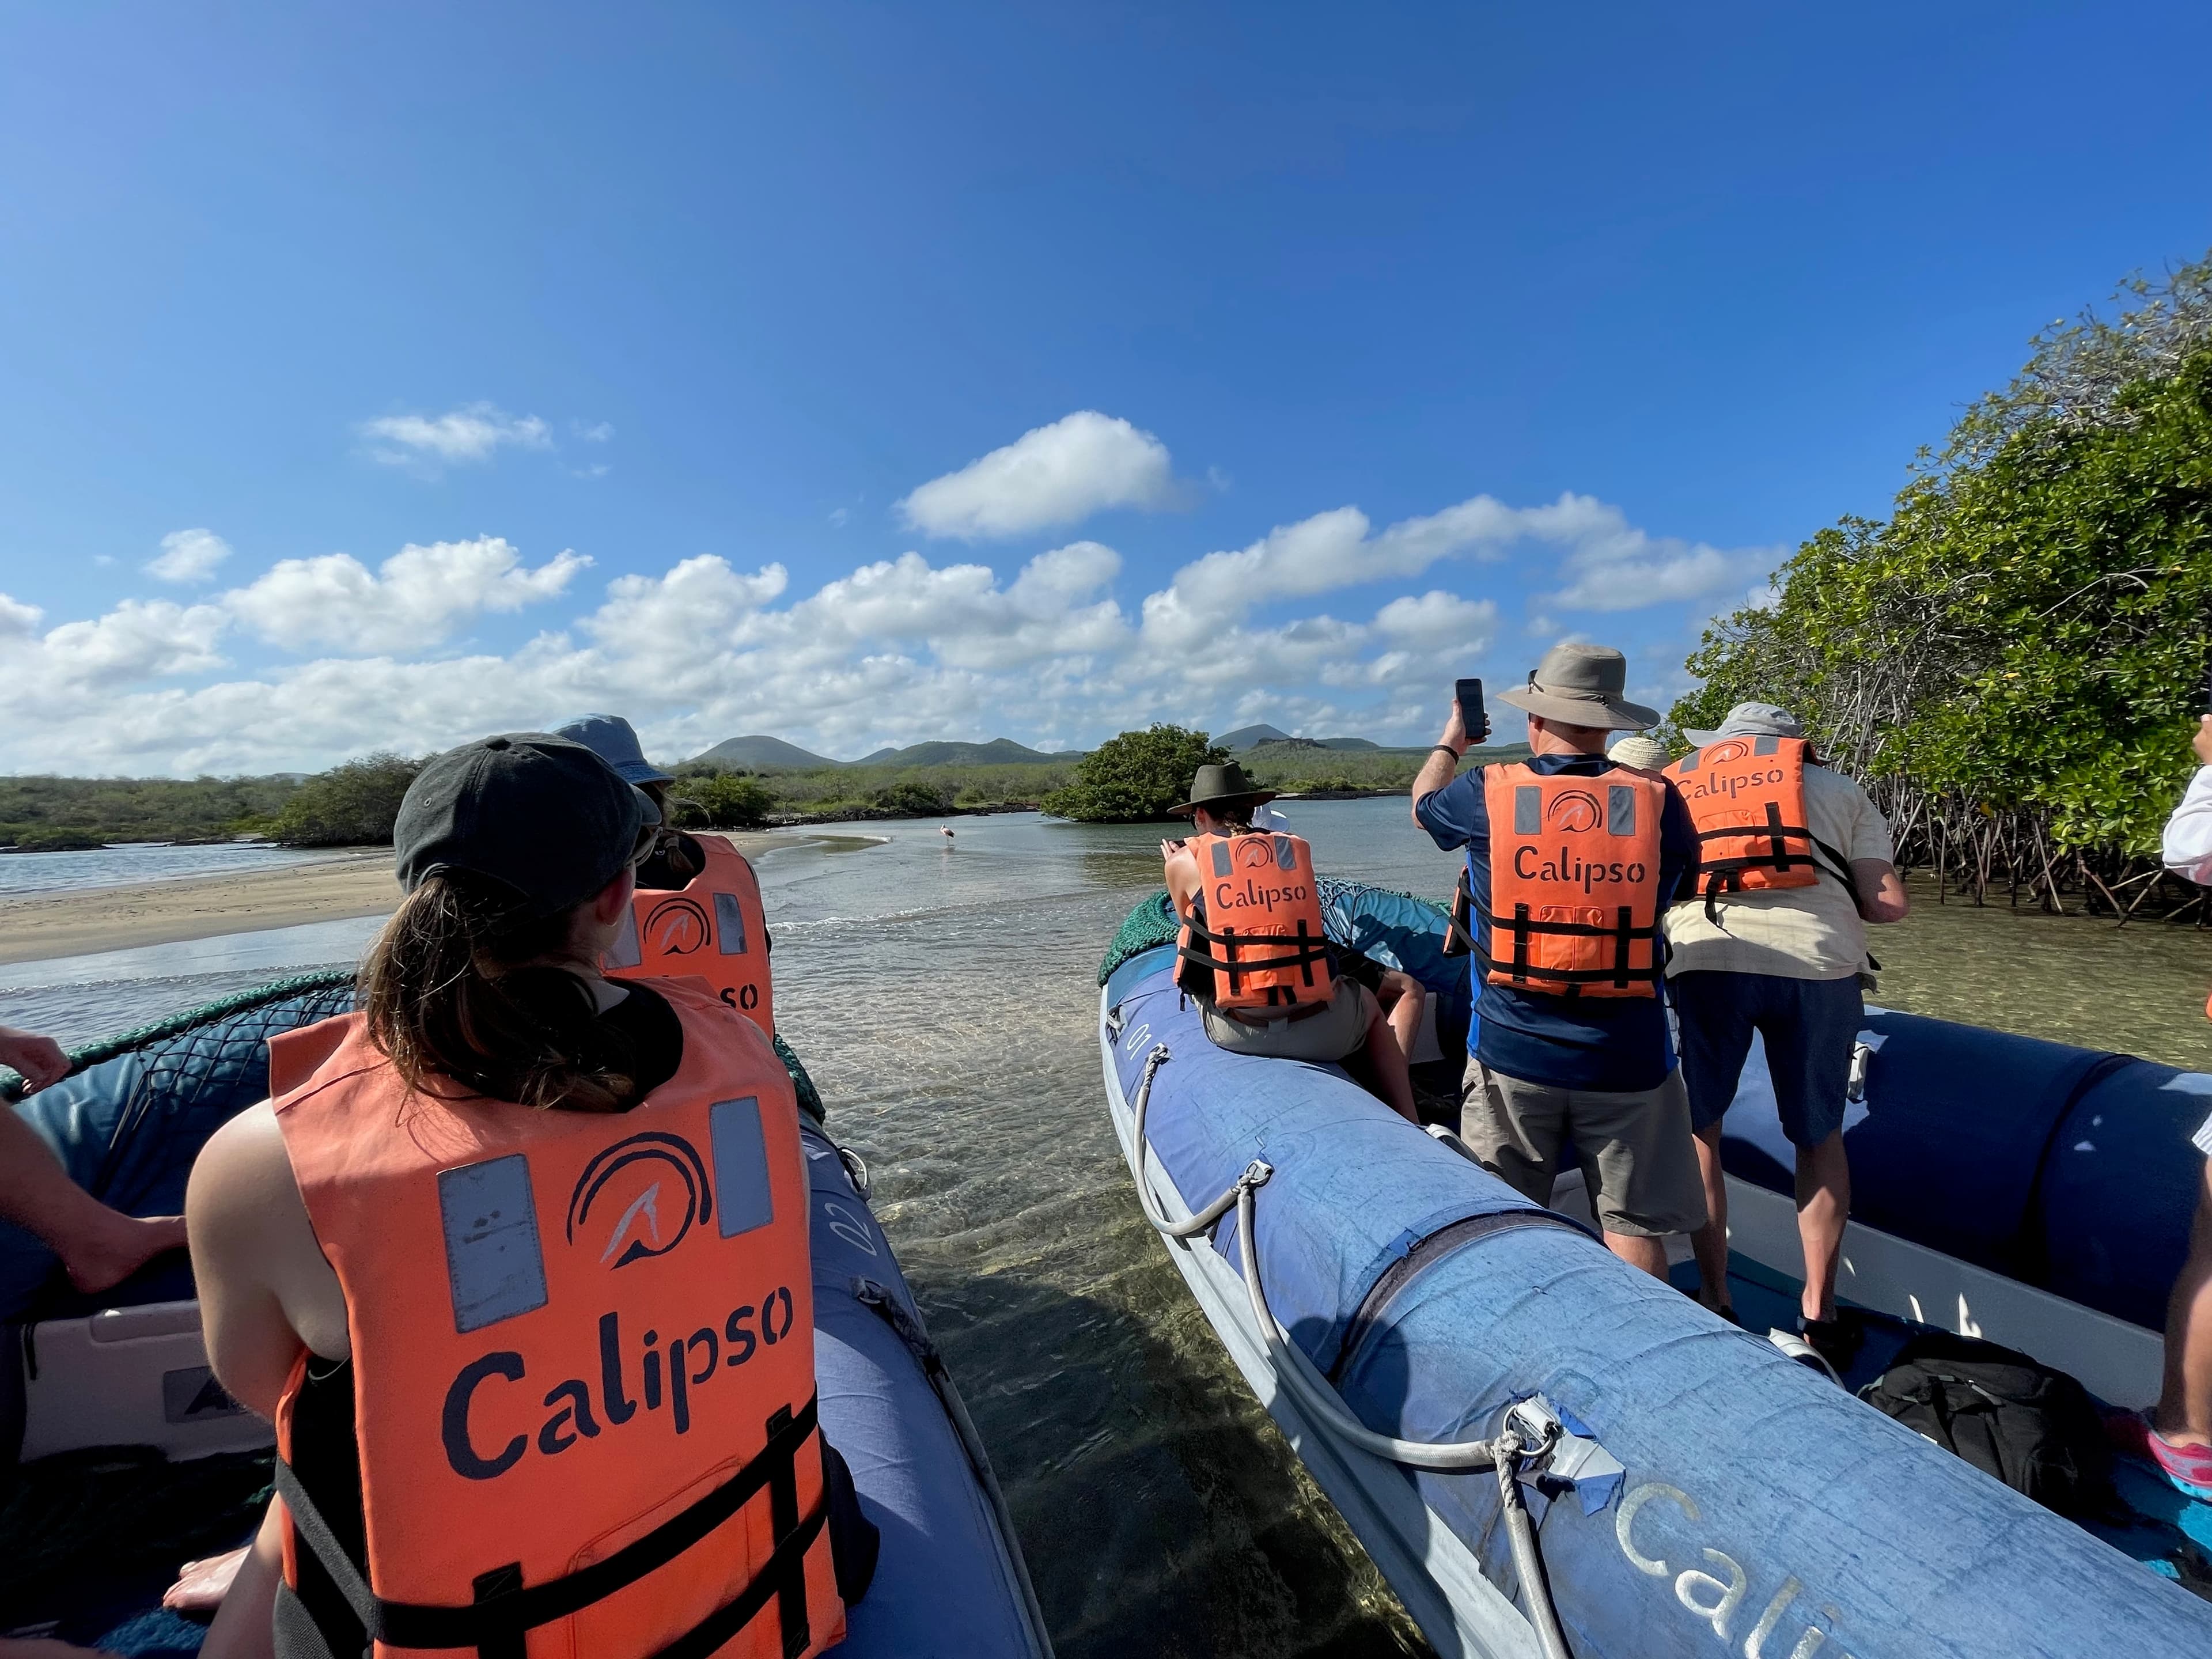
(2156, 1525)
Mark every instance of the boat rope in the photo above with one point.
(1524, 1442)
(907, 1326)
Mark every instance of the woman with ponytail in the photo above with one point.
(456, 1254)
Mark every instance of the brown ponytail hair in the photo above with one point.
(456, 993)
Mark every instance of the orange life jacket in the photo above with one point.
(714, 927)
(1748, 795)
(1574, 881)
(1253, 937)
(583, 1358)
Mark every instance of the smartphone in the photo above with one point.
(1469, 693)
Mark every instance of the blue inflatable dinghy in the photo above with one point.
(87, 1377)
(1548, 1452)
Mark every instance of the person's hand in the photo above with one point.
(41, 1060)
(1170, 848)
(2202, 743)
(1455, 738)
(201, 1585)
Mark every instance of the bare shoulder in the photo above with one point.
(242, 1176)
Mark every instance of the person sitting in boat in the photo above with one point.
(1796, 862)
(2176, 1434)
(99, 1246)
(517, 1260)
(1570, 860)
(1253, 950)
(697, 909)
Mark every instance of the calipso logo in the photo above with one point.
(1573, 811)
(646, 1192)
(677, 927)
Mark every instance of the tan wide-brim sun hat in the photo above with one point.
(1581, 685)
(1221, 786)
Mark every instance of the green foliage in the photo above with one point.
(1308, 768)
(733, 800)
(53, 814)
(1135, 777)
(914, 798)
(351, 805)
(2028, 635)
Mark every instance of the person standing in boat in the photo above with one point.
(1794, 863)
(1254, 953)
(517, 1260)
(698, 908)
(1570, 860)
(2176, 1434)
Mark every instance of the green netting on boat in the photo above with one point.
(1152, 923)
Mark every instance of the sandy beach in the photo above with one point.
(353, 883)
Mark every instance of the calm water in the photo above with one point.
(945, 999)
(110, 866)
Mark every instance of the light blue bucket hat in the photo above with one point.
(612, 739)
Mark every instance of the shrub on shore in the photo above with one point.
(355, 804)
(1135, 777)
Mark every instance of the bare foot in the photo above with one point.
(126, 1245)
(201, 1586)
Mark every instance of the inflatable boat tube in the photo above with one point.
(1754, 1505)
(950, 1583)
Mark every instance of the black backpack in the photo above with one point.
(2033, 1428)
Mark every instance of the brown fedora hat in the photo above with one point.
(1221, 786)
(1581, 685)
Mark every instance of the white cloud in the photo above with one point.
(414, 599)
(1614, 566)
(1081, 464)
(469, 433)
(188, 555)
(597, 433)
(895, 650)
(18, 620)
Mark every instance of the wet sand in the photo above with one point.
(353, 881)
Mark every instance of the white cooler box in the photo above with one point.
(130, 1377)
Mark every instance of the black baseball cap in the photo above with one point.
(543, 817)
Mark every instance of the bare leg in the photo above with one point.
(244, 1627)
(1392, 1080)
(1637, 1251)
(2183, 1412)
(1403, 999)
(1709, 1241)
(99, 1246)
(1823, 1204)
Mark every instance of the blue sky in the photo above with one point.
(479, 365)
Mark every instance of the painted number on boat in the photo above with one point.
(1134, 1040)
(1718, 1596)
(849, 1226)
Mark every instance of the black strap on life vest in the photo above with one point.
(506, 1609)
(1301, 952)
(1725, 875)
(1569, 981)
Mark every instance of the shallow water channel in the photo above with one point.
(945, 997)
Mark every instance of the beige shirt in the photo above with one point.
(1796, 933)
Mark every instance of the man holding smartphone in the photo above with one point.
(1569, 860)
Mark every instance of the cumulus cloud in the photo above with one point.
(415, 598)
(469, 433)
(1614, 566)
(188, 555)
(1053, 475)
(894, 650)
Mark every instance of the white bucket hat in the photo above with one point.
(1750, 720)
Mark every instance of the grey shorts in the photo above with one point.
(1326, 1037)
(1637, 1154)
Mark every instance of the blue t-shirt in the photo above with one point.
(1614, 1044)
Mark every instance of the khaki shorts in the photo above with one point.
(1326, 1036)
(1636, 1150)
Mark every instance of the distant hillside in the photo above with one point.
(758, 751)
(1252, 737)
(1000, 752)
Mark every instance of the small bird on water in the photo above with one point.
(945, 831)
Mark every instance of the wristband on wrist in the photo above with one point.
(1446, 749)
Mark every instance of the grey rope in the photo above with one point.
(1513, 1448)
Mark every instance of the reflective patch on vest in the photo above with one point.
(1619, 809)
(1527, 810)
(1221, 858)
(1689, 761)
(625, 952)
(1287, 856)
(494, 1265)
(740, 1166)
(729, 925)
(1766, 746)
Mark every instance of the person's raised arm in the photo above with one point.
(1879, 890)
(1442, 763)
